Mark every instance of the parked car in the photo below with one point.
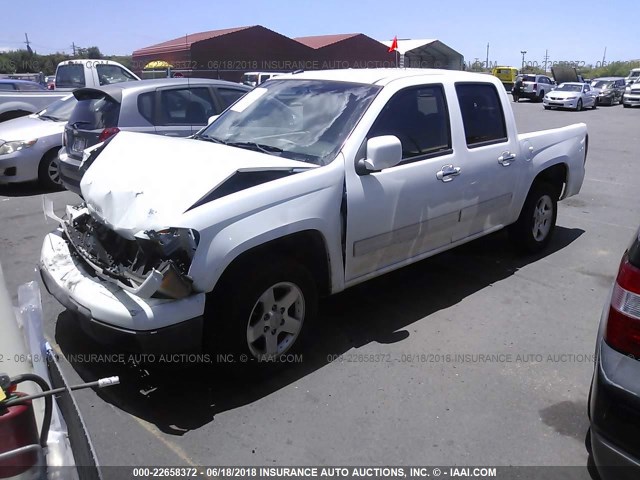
(572, 95)
(507, 75)
(614, 398)
(631, 96)
(634, 75)
(611, 89)
(177, 107)
(70, 74)
(252, 79)
(50, 82)
(12, 85)
(533, 87)
(29, 145)
(309, 184)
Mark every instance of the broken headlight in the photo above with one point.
(174, 248)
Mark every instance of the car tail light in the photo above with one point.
(108, 133)
(623, 325)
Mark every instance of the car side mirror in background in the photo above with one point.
(212, 119)
(382, 152)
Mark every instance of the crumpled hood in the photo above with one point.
(28, 128)
(141, 181)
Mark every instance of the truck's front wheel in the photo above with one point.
(534, 228)
(262, 313)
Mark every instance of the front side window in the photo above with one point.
(305, 120)
(108, 74)
(419, 118)
(482, 114)
(70, 76)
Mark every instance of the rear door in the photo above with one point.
(492, 168)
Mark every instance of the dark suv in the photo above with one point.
(176, 107)
(611, 89)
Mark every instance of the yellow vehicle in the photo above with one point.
(507, 75)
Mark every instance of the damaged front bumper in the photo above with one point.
(112, 312)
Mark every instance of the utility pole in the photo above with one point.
(523, 52)
(73, 45)
(28, 43)
(604, 55)
(487, 64)
(546, 60)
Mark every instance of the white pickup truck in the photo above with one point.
(70, 74)
(308, 185)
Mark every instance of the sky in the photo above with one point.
(577, 31)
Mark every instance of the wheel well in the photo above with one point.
(53, 150)
(13, 114)
(555, 175)
(307, 247)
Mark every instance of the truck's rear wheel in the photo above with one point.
(537, 221)
(262, 313)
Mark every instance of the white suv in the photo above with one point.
(533, 87)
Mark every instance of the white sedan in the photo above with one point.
(572, 95)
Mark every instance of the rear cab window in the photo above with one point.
(482, 114)
(70, 76)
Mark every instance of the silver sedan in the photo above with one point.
(29, 145)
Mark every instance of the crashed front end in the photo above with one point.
(127, 291)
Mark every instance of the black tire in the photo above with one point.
(625, 105)
(595, 104)
(235, 306)
(49, 171)
(546, 107)
(579, 105)
(540, 96)
(522, 234)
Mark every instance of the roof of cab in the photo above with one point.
(383, 76)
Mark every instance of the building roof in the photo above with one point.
(185, 42)
(319, 41)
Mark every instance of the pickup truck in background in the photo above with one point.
(70, 74)
(308, 185)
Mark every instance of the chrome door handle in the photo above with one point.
(506, 159)
(447, 173)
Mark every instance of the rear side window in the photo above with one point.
(184, 106)
(482, 114)
(70, 76)
(147, 106)
(28, 87)
(6, 87)
(95, 114)
(108, 74)
(229, 96)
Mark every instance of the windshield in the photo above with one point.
(603, 84)
(95, 113)
(565, 87)
(60, 110)
(306, 120)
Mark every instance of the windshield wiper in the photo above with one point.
(50, 117)
(207, 138)
(261, 147)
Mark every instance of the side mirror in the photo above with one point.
(382, 152)
(212, 119)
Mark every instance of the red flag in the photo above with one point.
(394, 44)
